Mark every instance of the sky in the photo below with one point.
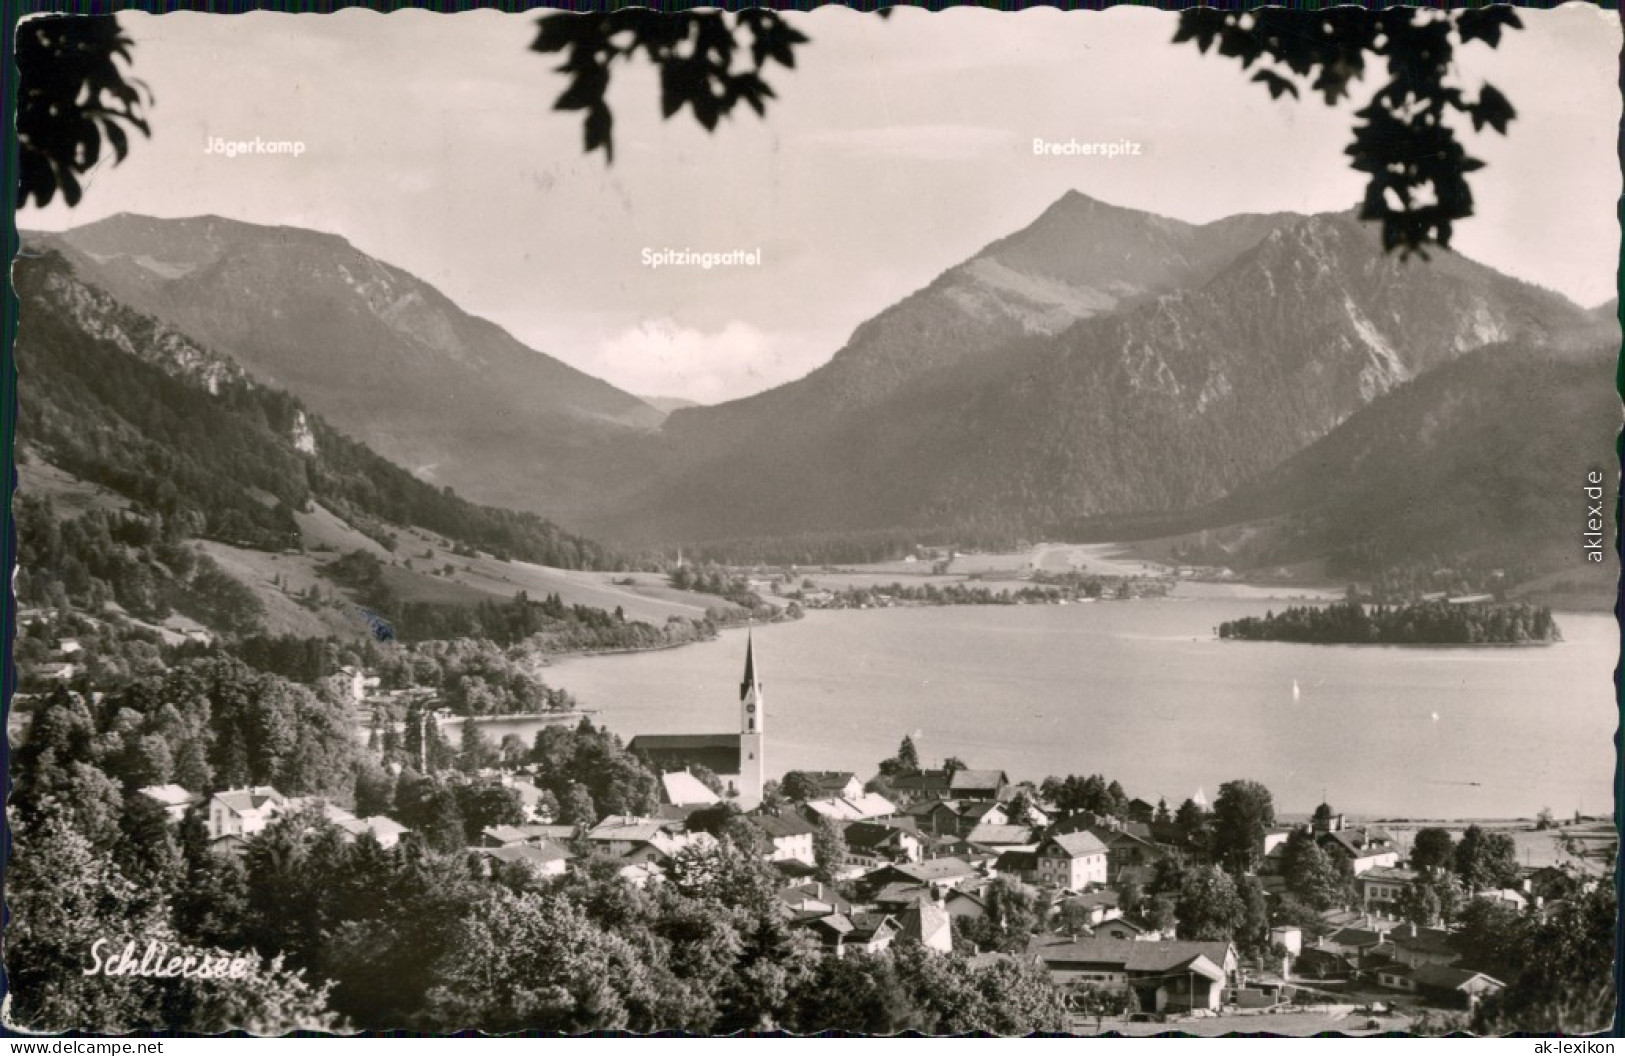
(895, 149)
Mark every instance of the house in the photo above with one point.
(1071, 861)
(929, 925)
(1354, 943)
(1141, 811)
(1317, 963)
(387, 831)
(814, 897)
(1417, 947)
(1381, 887)
(964, 905)
(1449, 987)
(840, 932)
(621, 835)
(1288, 937)
(936, 816)
(507, 835)
(941, 874)
(1127, 848)
(870, 806)
(175, 800)
(244, 811)
(543, 859)
(231, 845)
(897, 897)
(788, 836)
(870, 845)
(1126, 930)
(1092, 907)
(985, 785)
(1396, 976)
(1510, 897)
(835, 784)
(531, 799)
(1274, 840)
(978, 813)
(1364, 849)
(995, 837)
(927, 784)
(1165, 975)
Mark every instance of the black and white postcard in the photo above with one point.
(738, 522)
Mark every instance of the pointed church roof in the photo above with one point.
(749, 683)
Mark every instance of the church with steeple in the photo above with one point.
(738, 759)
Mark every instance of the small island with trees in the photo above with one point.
(1419, 623)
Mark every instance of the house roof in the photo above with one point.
(682, 789)
(977, 781)
(1124, 922)
(869, 835)
(504, 834)
(1426, 940)
(1017, 862)
(529, 853)
(926, 921)
(1356, 937)
(867, 926)
(1001, 835)
(935, 869)
(979, 809)
(814, 891)
(1387, 874)
(170, 795)
(717, 752)
(902, 892)
(1077, 844)
(780, 826)
(383, 828)
(635, 830)
(930, 806)
(1103, 897)
(1133, 955)
(958, 894)
(830, 780)
(924, 781)
(240, 800)
(872, 805)
(1443, 977)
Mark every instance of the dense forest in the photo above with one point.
(1421, 623)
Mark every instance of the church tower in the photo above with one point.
(752, 719)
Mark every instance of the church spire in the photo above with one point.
(749, 683)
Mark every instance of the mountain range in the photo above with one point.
(374, 350)
(1101, 372)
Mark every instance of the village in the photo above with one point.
(963, 860)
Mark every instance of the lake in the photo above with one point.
(1142, 692)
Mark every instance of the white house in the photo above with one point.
(1071, 861)
(244, 811)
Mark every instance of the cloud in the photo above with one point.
(661, 357)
